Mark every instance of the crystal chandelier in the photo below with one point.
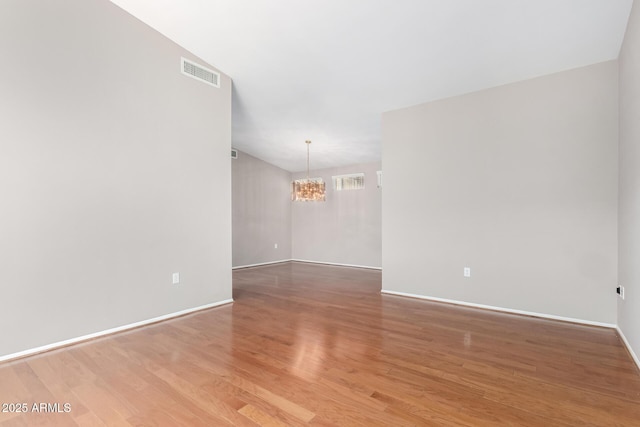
(308, 189)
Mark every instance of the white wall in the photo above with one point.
(629, 207)
(261, 211)
(517, 182)
(346, 228)
(114, 173)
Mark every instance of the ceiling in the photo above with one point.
(325, 70)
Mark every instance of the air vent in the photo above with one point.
(199, 72)
(234, 153)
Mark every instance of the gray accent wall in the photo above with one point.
(261, 211)
(346, 229)
(629, 199)
(518, 183)
(114, 174)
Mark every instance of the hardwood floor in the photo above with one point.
(319, 345)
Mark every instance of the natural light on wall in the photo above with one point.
(353, 181)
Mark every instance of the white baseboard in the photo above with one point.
(110, 331)
(307, 261)
(337, 264)
(634, 356)
(505, 310)
(260, 264)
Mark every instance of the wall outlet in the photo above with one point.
(175, 278)
(275, 246)
(467, 272)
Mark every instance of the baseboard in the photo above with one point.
(505, 310)
(76, 340)
(337, 264)
(629, 349)
(304, 260)
(261, 264)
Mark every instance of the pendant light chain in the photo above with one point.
(308, 144)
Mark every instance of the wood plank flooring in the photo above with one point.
(307, 344)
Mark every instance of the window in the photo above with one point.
(354, 181)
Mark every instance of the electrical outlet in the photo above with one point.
(467, 272)
(176, 278)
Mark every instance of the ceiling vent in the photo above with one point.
(199, 72)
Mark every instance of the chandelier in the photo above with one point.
(308, 189)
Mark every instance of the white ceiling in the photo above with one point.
(325, 70)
